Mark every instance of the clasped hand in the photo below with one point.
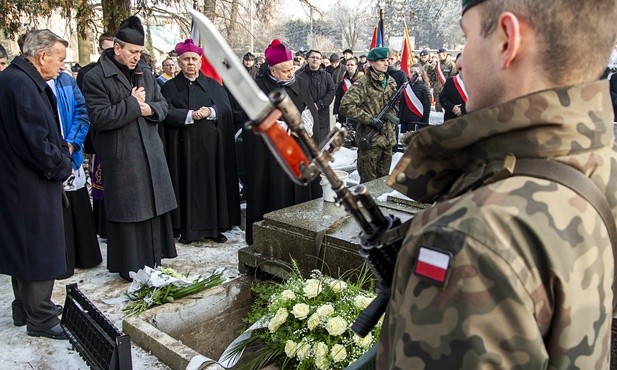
(201, 113)
(140, 94)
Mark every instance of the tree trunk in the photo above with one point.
(210, 9)
(114, 12)
(233, 20)
(84, 47)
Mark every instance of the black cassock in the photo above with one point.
(201, 158)
(268, 187)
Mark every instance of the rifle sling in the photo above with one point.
(571, 178)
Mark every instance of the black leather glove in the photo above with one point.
(377, 124)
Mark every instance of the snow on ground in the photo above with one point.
(19, 351)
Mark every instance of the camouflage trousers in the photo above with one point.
(373, 163)
(438, 107)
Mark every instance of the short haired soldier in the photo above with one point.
(511, 271)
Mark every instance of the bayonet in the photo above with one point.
(263, 112)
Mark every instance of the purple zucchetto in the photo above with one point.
(277, 53)
(187, 46)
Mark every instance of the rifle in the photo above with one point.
(381, 236)
(385, 115)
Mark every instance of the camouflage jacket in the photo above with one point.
(364, 100)
(528, 284)
(447, 67)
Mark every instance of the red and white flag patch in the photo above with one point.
(433, 264)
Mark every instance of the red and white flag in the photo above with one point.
(413, 103)
(206, 67)
(460, 87)
(346, 85)
(433, 264)
(440, 74)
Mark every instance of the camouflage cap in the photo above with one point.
(470, 3)
(377, 53)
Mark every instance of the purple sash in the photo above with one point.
(96, 175)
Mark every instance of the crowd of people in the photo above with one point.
(161, 152)
(164, 168)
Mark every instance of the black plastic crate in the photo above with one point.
(96, 339)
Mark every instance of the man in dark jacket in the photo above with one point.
(415, 109)
(125, 107)
(34, 160)
(335, 69)
(322, 89)
(248, 60)
(198, 111)
(268, 187)
(453, 98)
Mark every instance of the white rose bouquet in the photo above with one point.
(306, 323)
(153, 287)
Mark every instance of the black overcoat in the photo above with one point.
(322, 89)
(197, 155)
(423, 94)
(136, 178)
(34, 160)
(268, 187)
(450, 97)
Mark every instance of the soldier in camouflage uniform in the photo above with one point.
(511, 272)
(362, 102)
(448, 68)
(423, 61)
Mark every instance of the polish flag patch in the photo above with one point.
(433, 264)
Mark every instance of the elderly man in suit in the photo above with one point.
(35, 161)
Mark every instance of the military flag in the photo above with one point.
(378, 33)
(406, 53)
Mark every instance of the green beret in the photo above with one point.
(377, 53)
(469, 3)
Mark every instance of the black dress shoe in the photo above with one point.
(126, 276)
(220, 238)
(55, 332)
(21, 321)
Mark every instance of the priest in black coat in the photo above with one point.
(199, 118)
(126, 107)
(268, 187)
